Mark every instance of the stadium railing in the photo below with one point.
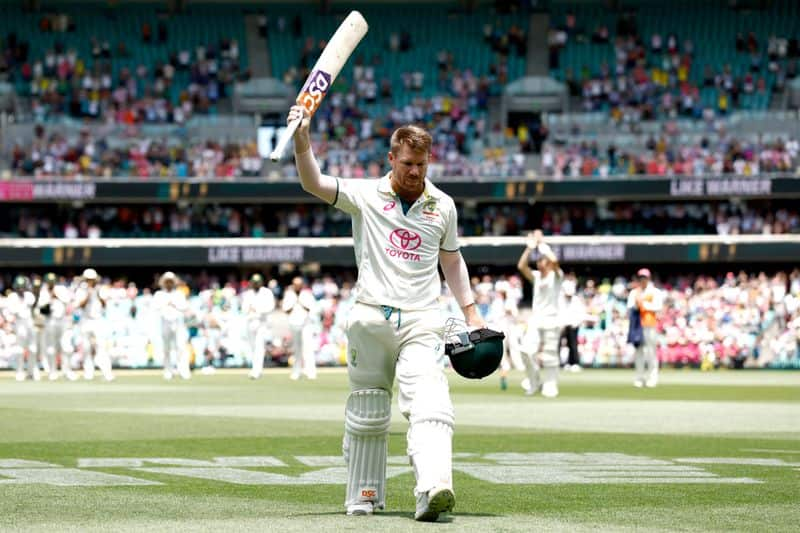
(530, 187)
(337, 251)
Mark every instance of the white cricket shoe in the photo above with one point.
(36, 374)
(186, 374)
(20, 376)
(360, 509)
(53, 376)
(294, 377)
(436, 501)
(529, 389)
(208, 370)
(638, 383)
(550, 389)
(168, 375)
(70, 375)
(254, 375)
(651, 383)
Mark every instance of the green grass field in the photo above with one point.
(703, 452)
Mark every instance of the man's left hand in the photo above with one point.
(472, 317)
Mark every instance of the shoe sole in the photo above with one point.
(441, 502)
(359, 512)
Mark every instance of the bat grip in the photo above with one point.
(283, 142)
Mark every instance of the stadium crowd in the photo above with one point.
(738, 320)
(665, 156)
(310, 220)
(656, 75)
(61, 82)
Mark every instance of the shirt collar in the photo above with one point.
(431, 192)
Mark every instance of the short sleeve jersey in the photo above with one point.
(398, 253)
(546, 295)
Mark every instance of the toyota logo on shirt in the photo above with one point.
(405, 239)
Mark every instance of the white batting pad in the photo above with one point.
(365, 447)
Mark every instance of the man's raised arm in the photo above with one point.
(313, 181)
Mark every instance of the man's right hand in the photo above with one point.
(302, 138)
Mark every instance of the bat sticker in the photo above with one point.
(314, 90)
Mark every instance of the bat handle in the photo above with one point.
(283, 142)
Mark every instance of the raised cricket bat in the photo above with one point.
(324, 73)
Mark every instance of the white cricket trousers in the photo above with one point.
(646, 358)
(25, 344)
(94, 353)
(305, 361)
(257, 333)
(542, 347)
(384, 342)
(48, 344)
(174, 342)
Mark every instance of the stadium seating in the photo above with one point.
(198, 25)
(432, 29)
(711, 26)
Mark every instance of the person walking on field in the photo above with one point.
(404, 227)
(544, 328)
(257, 304)
(648, 300)
(299, 303)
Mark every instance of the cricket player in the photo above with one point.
(574, 314)
(257, 304)
(544, 327)
(90, 299)
(299, 303)
(649, 300)
(403, 228)
(19, 312)
(171, 305)
(51, 306)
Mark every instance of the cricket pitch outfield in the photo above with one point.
(703, 451)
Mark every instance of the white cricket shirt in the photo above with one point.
(398, 254)
(546, 295)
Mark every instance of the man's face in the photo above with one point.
(543, 264)
(169, 285)
(409, 168)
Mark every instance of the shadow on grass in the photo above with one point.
(445, 519)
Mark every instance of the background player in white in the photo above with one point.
(91, 301)
(543, 360)
(257, 304)
(299, 303)
(649, 300)
(403, 227)
(573, 313)
(19, 311)
(51, 305)
(171, 305)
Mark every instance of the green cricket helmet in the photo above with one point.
(257, 279)
(20, 282)
(50, 277)
(473, 354)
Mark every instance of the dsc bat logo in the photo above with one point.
(314, 90)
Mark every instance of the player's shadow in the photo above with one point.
(446, 519)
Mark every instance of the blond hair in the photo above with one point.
(414, 137)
